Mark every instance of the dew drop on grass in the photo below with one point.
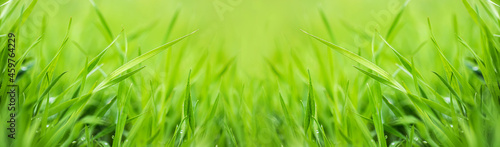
(51, 100)
(447, 99)
(73, 142)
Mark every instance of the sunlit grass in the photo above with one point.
(306, 73)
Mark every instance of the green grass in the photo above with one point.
(274, 73)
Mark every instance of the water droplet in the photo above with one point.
(52, 99)
(446, 99)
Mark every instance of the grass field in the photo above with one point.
(250, 73)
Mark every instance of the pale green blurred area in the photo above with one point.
(248, 30)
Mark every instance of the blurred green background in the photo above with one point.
(248, 30)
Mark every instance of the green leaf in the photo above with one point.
(136, 61)
(46, 92)
(361, 61)
(310, 106)
(117, 80)
(188, 105)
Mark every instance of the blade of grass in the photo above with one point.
(136, 61)
(360, 60)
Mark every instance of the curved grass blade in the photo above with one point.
(381, 79)
(309, 106)
(46, 92)
(176, 132)
(118, 79)
(402, 59)
(122, 115)
(136, 61)
(452, 70)
(214, 108)
(188, 105)
(96, 59)
(360, 60)
(109, 34)
(392, 28)
(50, 67)
(231, 135)
(326, 23)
